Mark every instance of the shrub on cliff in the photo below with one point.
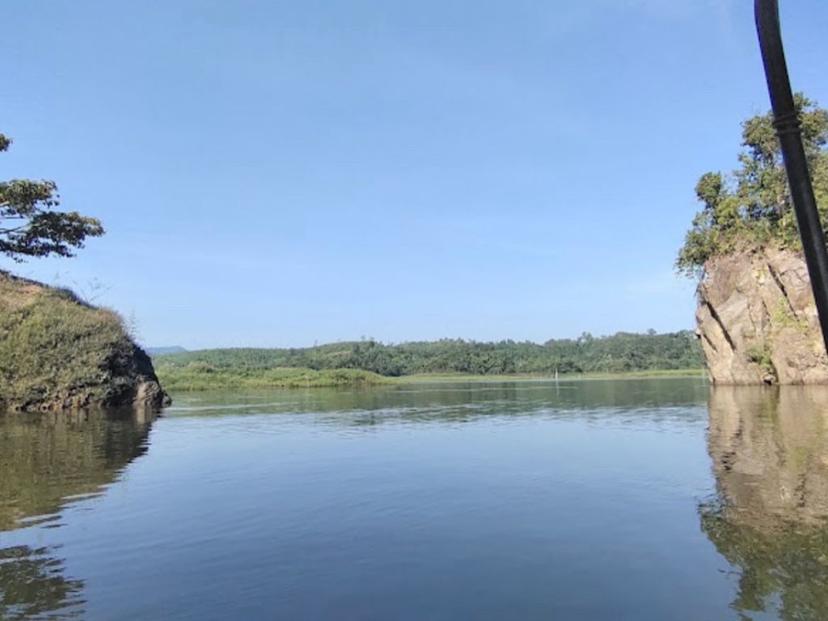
(752, 206)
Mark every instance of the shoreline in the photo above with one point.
(294, 378)
(530, 377)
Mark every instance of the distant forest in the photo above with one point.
(587, 354)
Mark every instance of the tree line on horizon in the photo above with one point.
(618, 353)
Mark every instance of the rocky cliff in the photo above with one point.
(57, 352)
(757, 320)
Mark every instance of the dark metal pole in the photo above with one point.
(789, 130)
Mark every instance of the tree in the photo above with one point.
(29, 224)
(752, 207)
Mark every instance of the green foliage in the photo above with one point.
(29, 224)
(752, 207)
(762, 355)
(623, 352)
(783, 317)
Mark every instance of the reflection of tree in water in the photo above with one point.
(770, 518)
(48, 461)
(32, 585)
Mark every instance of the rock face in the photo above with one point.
(57, 352)
(757, 320)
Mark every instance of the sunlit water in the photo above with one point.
(608, 500)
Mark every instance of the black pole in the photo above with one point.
(789, 129)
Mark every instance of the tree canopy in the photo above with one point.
(752, 207)
(587, 354)
(30, 226)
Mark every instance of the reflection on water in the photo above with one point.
(32, 585)
(770, 458)
(49, 461)
(49, 458)
(534, 500)
(451, 401)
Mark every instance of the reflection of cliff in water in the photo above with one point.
(48, 461)
(770, 518)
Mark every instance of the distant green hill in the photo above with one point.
(619, 353)
(162, 351)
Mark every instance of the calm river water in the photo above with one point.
(635, 499)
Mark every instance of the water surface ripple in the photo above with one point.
(633, 499)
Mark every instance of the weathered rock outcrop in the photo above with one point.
(757, 320)
(57, 352)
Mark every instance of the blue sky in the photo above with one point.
(283, 173)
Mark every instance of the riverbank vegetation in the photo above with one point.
(335, 364)
(437, 378)
(204, 377)
(752, 207)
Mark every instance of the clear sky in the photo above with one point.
(278, 173)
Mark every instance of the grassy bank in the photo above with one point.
(195, 377)
(426, 378)
(57, 351)
(206, 378)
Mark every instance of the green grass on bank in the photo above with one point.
(57, 351)
(201, 377)
(426, 378)
(195, 377)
